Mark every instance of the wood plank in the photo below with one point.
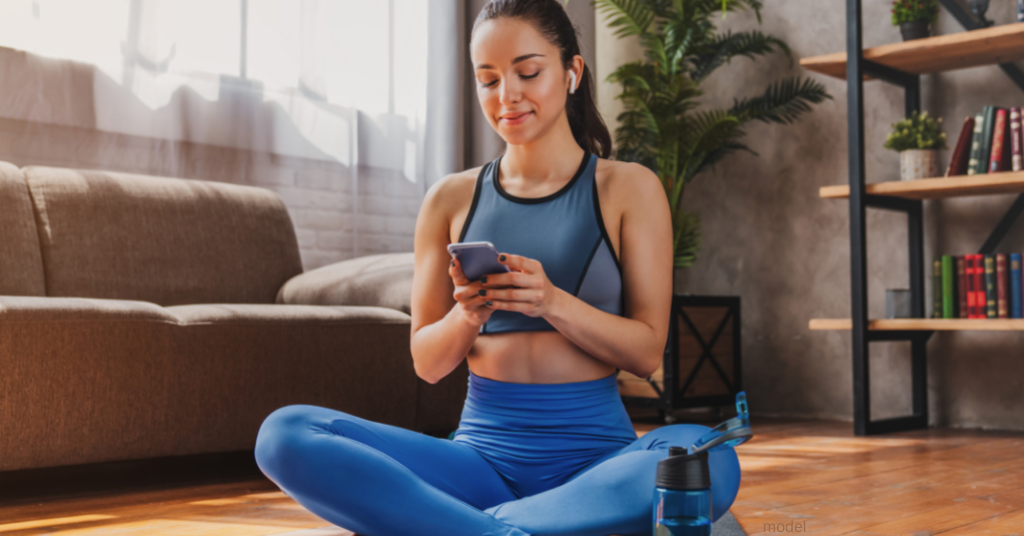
(923, 324)
(1005, 182)
(989, 46)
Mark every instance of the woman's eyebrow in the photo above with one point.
(515, 61)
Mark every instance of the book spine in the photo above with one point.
(1002, 293)
(948, 287)
(979, 285)
(986, 139)
(961, 287)
(937, 288)
(991, 298)
(972, 305)
(995, 161)
(1015, 138)
(961, 153)
(979, 126)
(1016, 298)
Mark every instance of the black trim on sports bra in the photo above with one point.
(586, 267)
(476, 198)
(600, 225)
(531, 200)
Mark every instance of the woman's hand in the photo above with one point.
(525, 289)
(471, 302)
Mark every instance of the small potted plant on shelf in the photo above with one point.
(918, 139)
(914, 17)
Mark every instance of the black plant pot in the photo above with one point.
(914, 30)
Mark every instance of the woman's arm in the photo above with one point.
(447, 310)
(634, 342)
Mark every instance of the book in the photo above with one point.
(991, 300)
(948, 287)
(1015, 156)
(1016, 287)
(986, 139)
(961, 153)
(1002, 292)
(995, 161)
(976, 135)
(979, 286)
(937, 288)
(961, 286)
(972, 305)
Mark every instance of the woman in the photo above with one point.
(544, 445)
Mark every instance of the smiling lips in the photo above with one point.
(516, 119)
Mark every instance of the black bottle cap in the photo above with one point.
(683, 472)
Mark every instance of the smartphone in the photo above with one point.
(477, 259)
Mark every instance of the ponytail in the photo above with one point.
(551, 21)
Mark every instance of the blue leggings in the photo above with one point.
(527, 459)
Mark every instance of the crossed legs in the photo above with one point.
(382, 480)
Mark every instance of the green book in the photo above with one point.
(986, 139)
(991, 296)
(949, 297)
(979, 128)
(937, 288)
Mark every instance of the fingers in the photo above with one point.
(520, 263)
(514, 294)
(508, 279)
(455, 272)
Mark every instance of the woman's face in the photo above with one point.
(520, 80)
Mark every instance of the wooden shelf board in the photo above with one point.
(1005, 182)
(923, 324)
(988, 46)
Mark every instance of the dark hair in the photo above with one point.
(550, 19)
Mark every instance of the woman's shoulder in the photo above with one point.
(625, 180)
(453, 191)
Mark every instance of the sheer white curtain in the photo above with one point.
(350, 109)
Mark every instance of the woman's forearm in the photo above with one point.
(623, 342)
(439, 347)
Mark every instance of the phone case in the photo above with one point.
(477, 259)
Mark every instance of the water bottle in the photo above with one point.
(682, 494)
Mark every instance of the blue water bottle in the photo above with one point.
(682, 494)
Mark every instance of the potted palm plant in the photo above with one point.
(665, 128)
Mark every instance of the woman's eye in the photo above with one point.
(534, 75)
(489, 84)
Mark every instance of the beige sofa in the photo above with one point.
(143, 317)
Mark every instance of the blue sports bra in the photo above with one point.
(563, 230)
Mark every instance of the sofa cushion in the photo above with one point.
(21, 265)
(162, 240)
(88, 381)
(375, 280)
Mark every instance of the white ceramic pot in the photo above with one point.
(919, 164)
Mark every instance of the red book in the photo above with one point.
(961, 153)
(995, 164)
(972, 294)
(961, 286)
(1002, 292)
(981, 296)
(1015, 139)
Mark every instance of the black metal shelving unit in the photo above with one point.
(859, 201)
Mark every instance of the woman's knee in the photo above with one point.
(281, 436)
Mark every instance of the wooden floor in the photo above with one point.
(808, 476)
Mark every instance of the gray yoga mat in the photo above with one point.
(727, 526)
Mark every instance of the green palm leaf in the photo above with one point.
(782, 102)
(722, 48)
(628, 17)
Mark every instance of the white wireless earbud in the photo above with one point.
(572, 83)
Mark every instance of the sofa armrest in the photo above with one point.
(375, 280)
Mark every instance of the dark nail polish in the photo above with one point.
(489, 302)
(502, 258)
(483, 279)
(482, 292)
(453, 262)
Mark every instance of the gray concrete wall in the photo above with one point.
(769, 238)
